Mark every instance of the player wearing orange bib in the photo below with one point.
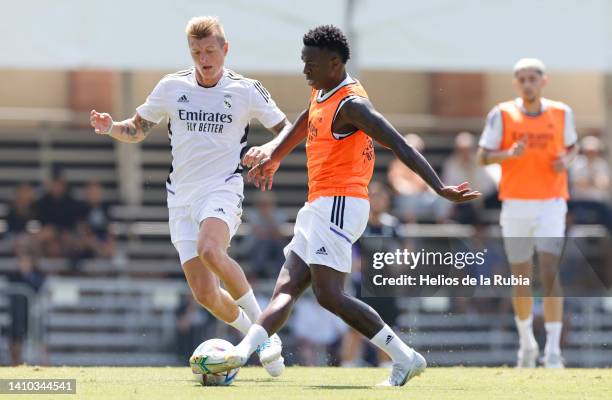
(339, 126)
(534, 140)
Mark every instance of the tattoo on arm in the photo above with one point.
(127, 129)
(134, 130)
(143, 125)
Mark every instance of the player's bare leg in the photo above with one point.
(328, 287)
(522, 302)
(292, 280)
(553, 308)
(522, 297)
(213, 241)
(206, 290)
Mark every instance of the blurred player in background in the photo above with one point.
(534, 140)
(209, 109)
(339, 126)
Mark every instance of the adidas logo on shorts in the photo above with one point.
(321, 251)
(389, 339)
(220, 210)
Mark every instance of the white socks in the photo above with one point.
(255, 337)
(553, 337)
(242, 322)
(391, 344)
(525, 331)
(527, 340)
(250, 305)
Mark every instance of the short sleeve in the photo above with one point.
(263, 108)
(570, 136)
(154, 108)
(492, 133)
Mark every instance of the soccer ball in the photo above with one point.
(220, 379)
(199, 365)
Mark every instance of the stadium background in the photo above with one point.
(433, 68)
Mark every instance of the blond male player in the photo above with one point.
(534, 140)
(208, 109)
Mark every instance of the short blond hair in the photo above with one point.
(204, 26)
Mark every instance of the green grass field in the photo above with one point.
(325, 383)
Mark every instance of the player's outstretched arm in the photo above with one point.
(257, 153)
(263, 170)
(285, 141)
(360, 114)
(132, 130)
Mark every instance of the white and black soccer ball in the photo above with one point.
(214, 348)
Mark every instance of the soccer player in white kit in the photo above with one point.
(208, 108)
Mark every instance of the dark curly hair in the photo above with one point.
(330, 38)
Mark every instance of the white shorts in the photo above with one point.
(224, 203)
(529, 224)
(326, 229)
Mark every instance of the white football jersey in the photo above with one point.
(207, 128)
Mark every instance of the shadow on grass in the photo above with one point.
(338, 387)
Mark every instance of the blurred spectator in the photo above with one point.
(381, 234)
(58, 213)
(415, 201)
(94, 228)
(590, 175)
(315, 349)
(27, 280)
(590, 185)
(267, 241)
(21, 211)
(463, 166)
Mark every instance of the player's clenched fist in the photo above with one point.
(101, 122)
(518, 148)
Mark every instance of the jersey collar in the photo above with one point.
(519, 103)
(219, 82)
(347, 81)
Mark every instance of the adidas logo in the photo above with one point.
(321, 251)
(183, 99)
(220, 210)
(389, 339)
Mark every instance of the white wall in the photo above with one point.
(265, 35)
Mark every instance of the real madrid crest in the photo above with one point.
(227, 101)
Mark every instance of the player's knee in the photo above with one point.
(206, 298)
(328, 299)
(210, 253)
(287, 288)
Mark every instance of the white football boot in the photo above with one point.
(402, 372)
(553, 361)
(527, 357)
(270, 356)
